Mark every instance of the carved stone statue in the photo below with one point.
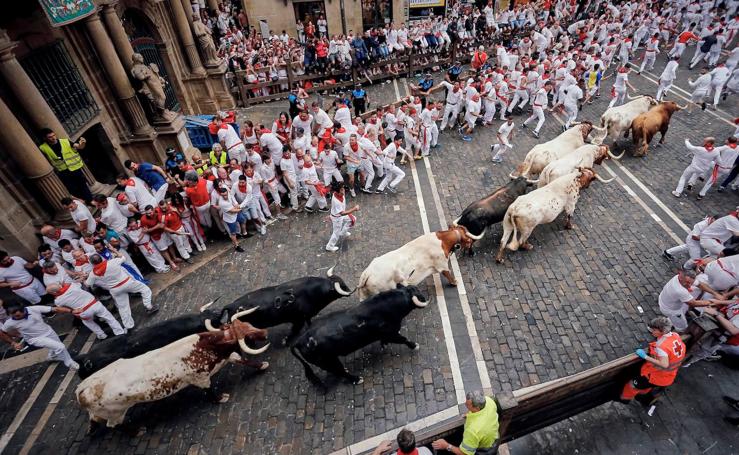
(205, 42)
(152, 85)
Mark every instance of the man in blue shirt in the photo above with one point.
(454, 71)
(154, 176)
(423, 89)
(360, 100)
(173, 157)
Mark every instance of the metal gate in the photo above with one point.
(147, 47)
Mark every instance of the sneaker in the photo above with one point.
(523, 126)
(298, 210)
(324, 210)
(189, 260)
(379, 191)
(721, 189)
(676, 194)
(308, 209)
(281, 217)
(347, 234)
(699, 197)
(392, 190)
(153, 309)
(239, 249)
(74, 365)
(467, 138)
(262, 229)
(270, 221)
(689, 187)
(367, 190)
(535, 134)
(668, 255)
(352, 192)
(703, 106)
(332, 248)
(497, 160)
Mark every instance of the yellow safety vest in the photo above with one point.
(223, 158)
(70, 160)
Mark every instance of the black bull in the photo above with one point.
(295, 302)
(377, 318)
(481, 214)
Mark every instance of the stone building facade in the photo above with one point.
(76, 79)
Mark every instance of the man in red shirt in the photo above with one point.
(176, 230)
(152, 223)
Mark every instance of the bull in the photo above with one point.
(646, 125)
(413, 262)
(339, 334)
(542, 154)
(617, 120)
(586, 156)
(143, 340)
(541, 206)
(108, 394)
(481, 214)
(295, 302)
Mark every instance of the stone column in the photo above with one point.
(213, 4)
(186, 38)
(118, 34)
(31, 99)
(118, 78)
(187, 6)
(25, 154)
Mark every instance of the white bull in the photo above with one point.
(543, 205)
(617, 120)
(108, 393)
(584, 157)
(413, 262)
(542, 154)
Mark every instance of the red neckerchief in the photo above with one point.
(732, 145)
(99, 269)
(708, 148)
(339, 197)
(414, 452)
(81, 262)
(308, 165)
(62, 290)
(354, 146)
(6, 266)
(130, 182)
(57, 233)
(689, 288)
(242, 187)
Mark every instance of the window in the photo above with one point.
(376, 13)
(57, 78)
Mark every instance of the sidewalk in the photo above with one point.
(688, 420)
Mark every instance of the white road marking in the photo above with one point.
(55, 399)
(31, 400)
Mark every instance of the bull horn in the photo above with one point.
(682, 107)
(209, 326)
(601, 179)
(614, 156)
(337, 288)
(633, 97)
(475, 237)
(532, 181)
(513, 176)
(243, 313)
(208, 305)
(454, 223)
(330, 272)
(250, 351)
(418, 303)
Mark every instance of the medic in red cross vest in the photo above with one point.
(661, 362)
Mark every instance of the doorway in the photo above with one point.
(309, 11)
(97, 155)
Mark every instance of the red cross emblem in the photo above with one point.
(677, 348)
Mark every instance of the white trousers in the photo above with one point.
(315, 197)
(153, 257)
(692, 247)
(619, 98)
(340, 226)
(263, 206)
(501, 147)
(99, 311)
(328, 174)
(518, 95)
(33, 292)
(192, 227)
(451, 111)
(434, 134)
(690, 174)
(664, 87)
(489, 110)
(121, 297)
(538, 112)
(722, 172)
(677, 50)
(393, 176)
(712, 246)
(366, 167)
(717, 88)
(204, 215)
(182, 242)
(648, 63)
(571, 112)
(677, 317)
(57, 350)
(161, 193)
(237, 153)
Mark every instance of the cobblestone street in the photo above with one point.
(578, 299)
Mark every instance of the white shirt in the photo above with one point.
(337, 206)
(452, 97)
(540, 99)
(674, 295)
(61, 277)
(81, 213)
(621, 79)
(727, 156)
(343, 116)
(33, 326)
(722, 229)
(574, 93)
(670, 71)
(305, 124)
(720, 75)
(702, 84)
(323, 119)
(702, 157)
(505, 129)
(138, 194)
(114, 275)
(226, 204)
(228, 136)
(269, 142)
(74, 297)
(112, 216)
(328, 159)
(16, 272)
(288, 167)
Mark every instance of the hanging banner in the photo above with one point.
(63, 12)
(426, 3)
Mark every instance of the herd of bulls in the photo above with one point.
(155, 362)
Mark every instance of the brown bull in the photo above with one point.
(646, 125)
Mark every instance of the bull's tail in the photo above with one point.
(362, 286)
(309, 373)
(514, 244)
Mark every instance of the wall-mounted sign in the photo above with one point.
(426, 3)
(63, 12)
